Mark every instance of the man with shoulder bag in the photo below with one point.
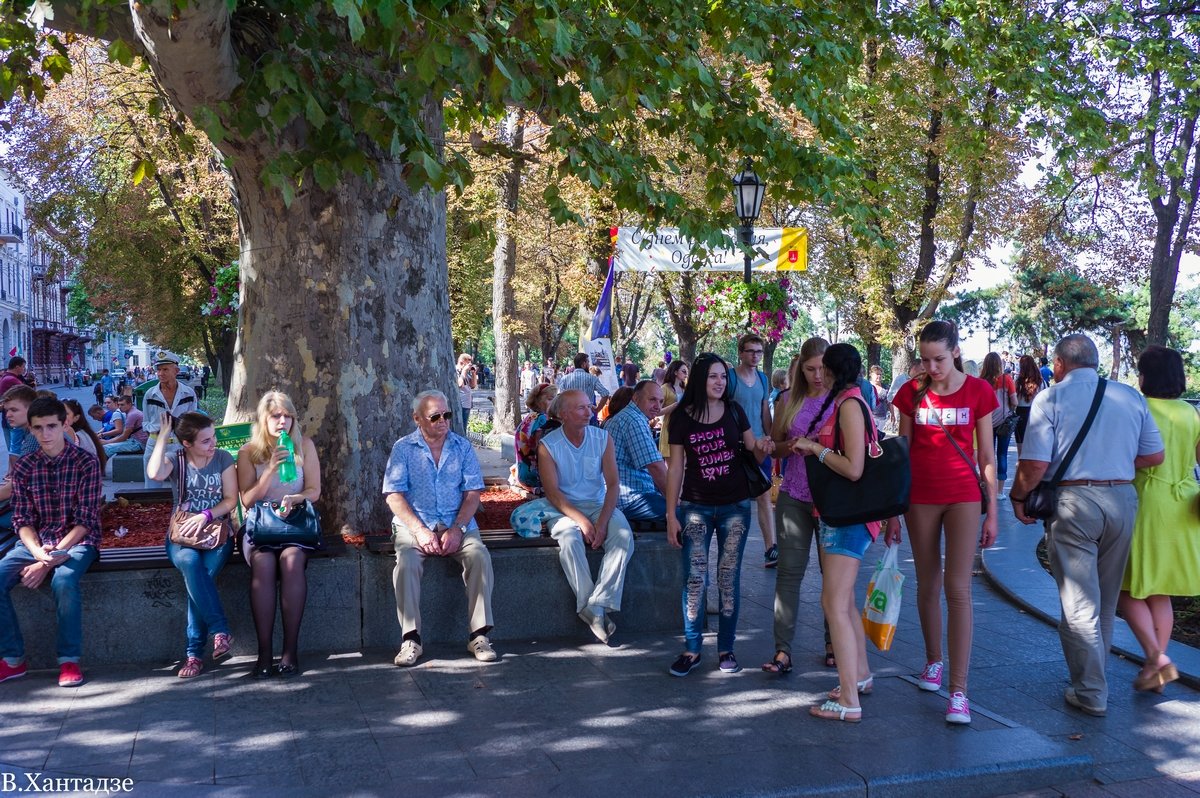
(1089, 501)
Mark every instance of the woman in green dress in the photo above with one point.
(1164, 560)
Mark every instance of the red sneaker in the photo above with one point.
(9, 672)
(69, 675)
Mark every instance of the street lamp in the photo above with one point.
(748, 191)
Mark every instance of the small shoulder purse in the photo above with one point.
(210, 536)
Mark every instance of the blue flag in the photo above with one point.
(602, 321)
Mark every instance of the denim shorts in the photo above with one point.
(850, 541)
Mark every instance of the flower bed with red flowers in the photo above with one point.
(146, 524)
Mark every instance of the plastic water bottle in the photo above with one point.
(287, 469)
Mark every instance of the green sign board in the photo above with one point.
(230, 437)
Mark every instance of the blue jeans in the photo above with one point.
(644, 506)
(127, 445)
(205, 615)
(466, 411)
(1001, 456)
(730, 522)
(64, 583)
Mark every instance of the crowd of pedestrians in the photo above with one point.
(695, 447)
(959, 427)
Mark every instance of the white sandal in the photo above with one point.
(832, 710)
(864, 688)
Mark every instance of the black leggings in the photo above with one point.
(1022, 422)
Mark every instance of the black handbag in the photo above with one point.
(1041, 502)
(757, 482)
(880, 493)
(301, 526)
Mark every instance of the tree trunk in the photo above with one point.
(344, 306)
(769, 348)
(504, 267)
(679, 295)
(218, 351)
(1115, 372)
(874, 354)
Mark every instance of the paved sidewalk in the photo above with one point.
(571, 719)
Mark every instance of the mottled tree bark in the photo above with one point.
(504, 267)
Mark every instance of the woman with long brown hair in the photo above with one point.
(1029, 384)
(1006, 397)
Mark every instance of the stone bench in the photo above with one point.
(128, 467)
(135, 603)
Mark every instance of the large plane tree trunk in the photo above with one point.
(344, 292)
(345, 307)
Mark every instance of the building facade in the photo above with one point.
(33, 299)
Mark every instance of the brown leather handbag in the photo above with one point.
(210, 536)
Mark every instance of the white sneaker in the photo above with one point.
(481, 647)
(410, 652)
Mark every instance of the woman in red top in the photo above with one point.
(942, 414)
(1006, 398)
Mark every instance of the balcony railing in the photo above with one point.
(11, 233)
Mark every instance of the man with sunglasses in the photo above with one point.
(169, 397)
(432, 486)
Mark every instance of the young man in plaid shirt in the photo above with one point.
(56, 512)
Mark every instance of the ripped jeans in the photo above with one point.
(730, 522)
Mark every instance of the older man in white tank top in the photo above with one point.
(578, 467)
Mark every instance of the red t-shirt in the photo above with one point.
(939, 473)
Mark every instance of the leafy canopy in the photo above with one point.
(347, 83)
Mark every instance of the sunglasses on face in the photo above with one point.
(436, 417)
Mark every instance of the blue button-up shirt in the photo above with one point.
(635, 449)
(1122, 430)
(433, 490)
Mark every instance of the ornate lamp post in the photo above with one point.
(748, 191)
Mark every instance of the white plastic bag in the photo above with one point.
(881, 611)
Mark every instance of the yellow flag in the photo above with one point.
(793, 250)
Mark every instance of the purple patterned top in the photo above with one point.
(795, 481)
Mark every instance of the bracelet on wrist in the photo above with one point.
(208, 516)
(1016, 499)
(822, 455)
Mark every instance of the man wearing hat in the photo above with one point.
(169, 396)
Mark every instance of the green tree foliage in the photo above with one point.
(1121, 108)
(984, 309)
(131, 200)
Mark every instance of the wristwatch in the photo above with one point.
(462, 528)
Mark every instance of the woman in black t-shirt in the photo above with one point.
(707, 493)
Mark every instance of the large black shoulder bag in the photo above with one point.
(880, 493)
(301, 526)
(1043, 499)
(758, 482)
